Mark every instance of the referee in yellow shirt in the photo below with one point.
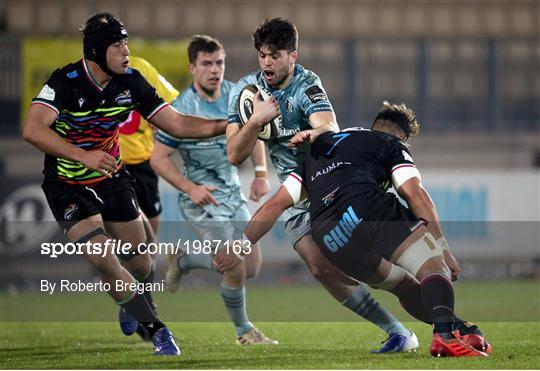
(137, 143)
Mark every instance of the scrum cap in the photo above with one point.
(100, 31)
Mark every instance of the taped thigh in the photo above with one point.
(418, 253)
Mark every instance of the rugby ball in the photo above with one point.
(245, 108)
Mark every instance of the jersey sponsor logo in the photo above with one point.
(286, 132)
(47, 93)
(406, 156)
(72, 74)
(81, 102)
(123, 98)
(315, 94)
(290, 105)
(333, 166)
(342, 232)
(327, 200)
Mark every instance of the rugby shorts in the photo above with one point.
(297, 222)
(113, 198)
(224, 222)
(355, 232)
(145, 183)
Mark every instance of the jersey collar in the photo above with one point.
(90, 77)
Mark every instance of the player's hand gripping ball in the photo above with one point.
(245, 108)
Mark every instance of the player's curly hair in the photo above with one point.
(276, 34)
(399, 116)
(202, 43)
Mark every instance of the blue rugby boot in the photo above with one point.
(128, 324)
(164, 344)
(397, 343)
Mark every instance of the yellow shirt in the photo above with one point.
(136, 135)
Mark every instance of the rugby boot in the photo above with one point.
(164, 344)
(397, 343)
(255, 337)
(174, 273)
(128, 324)
(470, 334)
(452, 347)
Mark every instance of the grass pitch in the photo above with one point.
(320, 344)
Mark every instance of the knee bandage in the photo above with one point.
(394, 277)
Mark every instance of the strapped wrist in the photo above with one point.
(260, 171)
(261, 174)
(443, 243)
(239, 256)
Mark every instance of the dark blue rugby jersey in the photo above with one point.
(344, 164)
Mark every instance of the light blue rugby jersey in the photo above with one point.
(205, 160)
(303, 96)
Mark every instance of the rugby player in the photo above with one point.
(300, 97)
(361, 228)
(75, 121)
(210, 198)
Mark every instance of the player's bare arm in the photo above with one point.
(423, 207)
(260, 185)
(240, 143)
(421, 204)
(161, 162)
(183, 126)
(261, 222)
(266, 216)
(37, 131)
(321, 123)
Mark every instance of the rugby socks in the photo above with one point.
(438, 299)
(196, 261)
(362, 303)
(235, 302)
(141, 310)
(147, 294)
(411, 300)
(465, 327)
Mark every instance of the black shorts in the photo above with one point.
(357, 232)
(145, 183)
(113, 198)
